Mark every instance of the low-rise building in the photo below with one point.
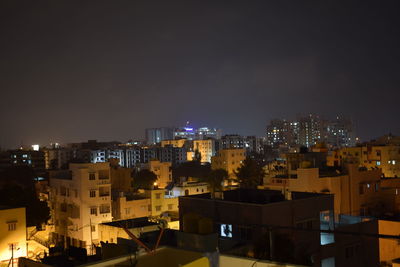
(148, 203)
(130, 206)
(357, 191)
(12, 234)
(111, 231)
(174, 142)
(163, 171)
(229, 160)
(189, 188)
(297, 228)
(379, 156)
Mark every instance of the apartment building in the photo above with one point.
(384, 157)
(206, 148)
(163, 170)
(229, 160)
(80, 199)
(357, 191)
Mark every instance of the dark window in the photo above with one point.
(361, 189)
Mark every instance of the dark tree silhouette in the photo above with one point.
(191, 169)
(250, 174)
(215, 178)
(144, 179)
(197, 156)
(17, 189)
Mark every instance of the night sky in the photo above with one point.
(108, 69)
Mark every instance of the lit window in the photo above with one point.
(378, 163)
(226, 230)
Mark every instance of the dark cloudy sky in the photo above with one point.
(72, 71)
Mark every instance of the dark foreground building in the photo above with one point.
(264, 224)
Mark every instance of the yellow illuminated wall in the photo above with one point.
(12, 231)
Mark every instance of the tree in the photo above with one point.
(250, 174)
(197, 156)
(191, 169)
(17, 189)
(215, 178)
(144, 179)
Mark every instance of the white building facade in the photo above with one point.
(80, 199)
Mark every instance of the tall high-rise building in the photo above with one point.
(156, 135)
(309, 130)
(206, 132)
(191, 133)
(339, 132)
(250, 143)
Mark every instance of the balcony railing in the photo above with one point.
(104, 182)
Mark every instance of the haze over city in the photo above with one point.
(102, 70)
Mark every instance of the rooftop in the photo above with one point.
(131, 223)
(62, 174)
(3, 207)
(257, 196)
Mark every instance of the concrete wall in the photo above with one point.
(108, 233)
(228, 261)
(389, 249)
(129, 209)
(163, 172)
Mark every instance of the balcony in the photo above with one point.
(104, 182)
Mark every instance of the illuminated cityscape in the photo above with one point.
(199, 134)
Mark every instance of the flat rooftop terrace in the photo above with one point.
(257, 196)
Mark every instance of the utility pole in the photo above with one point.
(12, 254)
(91, 236)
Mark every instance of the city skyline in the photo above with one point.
(194, 127)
